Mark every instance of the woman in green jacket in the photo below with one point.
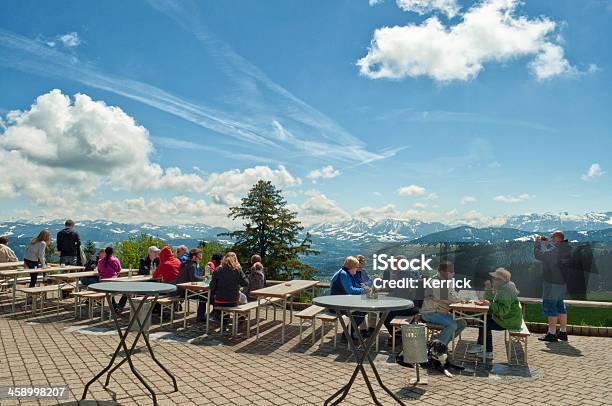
(504, 308)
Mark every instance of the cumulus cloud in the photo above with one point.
(327, 172)
(467, 199)
(594, 171)
(386, 211)
(448, 7)
(490, 31)
(477, 219)
(374, 2)
(513, 199)
(78, 146)
(81, 144)
(411, 190)
(419, 205)
(318, 208)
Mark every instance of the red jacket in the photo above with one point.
(168, 268)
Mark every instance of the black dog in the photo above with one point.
(437, 356)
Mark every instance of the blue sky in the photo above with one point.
(432, 109)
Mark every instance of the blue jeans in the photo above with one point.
(68, 260)
(88, 280)
(452, 328)
(491, 325)
(33, 276)
(552, 299)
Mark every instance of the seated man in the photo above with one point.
(435, 308)
(504, 309)
(149, 263)
(343, 283)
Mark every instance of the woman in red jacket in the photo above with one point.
(168, 268)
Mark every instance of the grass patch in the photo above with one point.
(579, 316)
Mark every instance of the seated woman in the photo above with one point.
(109, 267)
(343, 283)
(226, 282)
(257, 280)
(168, 268)
(504, 309)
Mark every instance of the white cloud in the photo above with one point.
(490, 31)
(412, 190)
(377, 213)
(513, 199)
(377, 194)
(467, 199)
(68, 40)
(374, 2)
(229, 186)
(477, 219)
(79, 146)
(431, 196)
(318, 208)
(419, 205)
(327, 172)
(594, 171)
(448, 7)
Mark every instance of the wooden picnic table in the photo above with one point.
(284, 291)
(196, 289)
(72, 279)
(472, 311)
(10, 265)
(14, 273)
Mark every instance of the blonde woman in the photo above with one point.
(34, 255)
(226, 282)
(343, 283)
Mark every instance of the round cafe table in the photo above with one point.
(347, 305)
(148, 291)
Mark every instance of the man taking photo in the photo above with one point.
(555, 258)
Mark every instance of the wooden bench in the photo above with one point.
(327, 317)
(244, 310)
(164, 302)
(309, 314)
(40, 292)
(517, 336)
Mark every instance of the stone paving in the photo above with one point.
(219, 370)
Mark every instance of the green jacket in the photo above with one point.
(505, 307)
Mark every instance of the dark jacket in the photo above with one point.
(257, 280)
(225, 285)
(555, 261)
(68, 243)
(187, 273)
(145, 265)
(342, 283)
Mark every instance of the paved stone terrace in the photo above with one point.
(55, 350)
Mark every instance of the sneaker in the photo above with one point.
(477, 349)
(550, 337)
(562, 335)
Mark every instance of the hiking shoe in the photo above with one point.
(477, 349)
(562, 335)
(550, 337)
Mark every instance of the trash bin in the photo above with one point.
(142, 315)
(414, 342)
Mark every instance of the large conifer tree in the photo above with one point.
(272, 231)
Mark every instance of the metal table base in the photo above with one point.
(361, 353)
(128, 353)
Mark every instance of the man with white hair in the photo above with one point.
(150, 262)
(182, 253)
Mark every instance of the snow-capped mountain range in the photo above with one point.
(515, 227)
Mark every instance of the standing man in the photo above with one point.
(68, 244)
(555, 260)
